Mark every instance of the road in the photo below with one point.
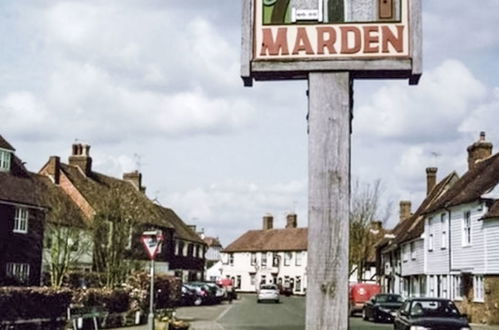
(246, 314)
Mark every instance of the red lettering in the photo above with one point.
(302, 43)
(353, 31)
(271, 46)
(388, 38)
(328, 43)
(371, 39)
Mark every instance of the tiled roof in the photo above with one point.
(212, 241)
(5, 145)
(182, 231)
(473, 184)
(288, 239)
(102, 191)
(20, 186)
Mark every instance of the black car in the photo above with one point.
(382, 307)
(430, 313)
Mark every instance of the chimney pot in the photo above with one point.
(291, 220)
(478, 151)
(135, 178)
(405, 210)
(268, 222)
(431, 179)
(83, 161)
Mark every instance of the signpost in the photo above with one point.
(330, 43)
(152, 242)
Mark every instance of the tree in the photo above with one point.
(366, 219)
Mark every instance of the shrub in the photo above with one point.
(167, 289)
(83, 280)
(33, 302)
(112, 300)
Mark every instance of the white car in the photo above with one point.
(268, 292)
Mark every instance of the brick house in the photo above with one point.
(22, 217)
(102, 197)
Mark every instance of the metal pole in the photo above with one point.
(329, 200)
(150, 318)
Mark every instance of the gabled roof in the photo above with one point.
(102, 191)
(182, 231)
(212, 241)
(417, 228)
(20, 186)
(287, 239)
(413, 226)
(473, 184)
(5, 145)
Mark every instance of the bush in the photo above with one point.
(83, 280)
(168, 291)
(33, 302)
(112, 300)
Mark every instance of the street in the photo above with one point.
(246, 314)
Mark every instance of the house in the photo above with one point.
(463, 237)
(22, 215)
(449, 248)
(268, 256)
(122, 211)
(213, 258)
(400, 253)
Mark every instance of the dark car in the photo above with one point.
(429, 313)
(205, 291)
(382, 307)
(189, 297)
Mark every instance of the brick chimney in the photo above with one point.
(268, 222)
(291, 220)
(81, 158)
(135, 178)
(431, 179)
(478, 151)
(405, 210)
(54, 168)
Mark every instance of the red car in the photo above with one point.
(360, 293)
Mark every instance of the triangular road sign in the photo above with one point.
(152, 244)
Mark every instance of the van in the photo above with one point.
(359, 294)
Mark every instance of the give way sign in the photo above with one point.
(152, 242)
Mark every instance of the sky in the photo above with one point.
(154, 86)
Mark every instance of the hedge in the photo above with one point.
(33, 302)
(111, 300)
(168, 291)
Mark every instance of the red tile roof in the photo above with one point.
(287, 239)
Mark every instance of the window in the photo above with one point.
(287, 258)
(430, 243)
(298, 258)
(467, 228)
(231, 259)
(18, 271)
(264, 259)
(180, 250)
(443, 228)
(275, 259)
(405, 256)
(298, 283)
(432, 286)
(253, 259)
(263, 279)
(443, 290)
(252, 279)
(5, 160)
(430, 234)
(478, 288)
(21, 220)
(238, 282)
(190, 250)
(457, 288)
(413, 250)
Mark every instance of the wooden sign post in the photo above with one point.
(330, 43)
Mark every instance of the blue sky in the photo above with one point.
(155, 85)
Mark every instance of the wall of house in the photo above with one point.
(437, 259)
(243, 268)
(412, 265)
(491, 227)
(468, 258)
(21, 248)
(482, 312)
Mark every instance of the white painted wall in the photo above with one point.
(413, 264)
(437, 258)
(252, 275)
(491, 227)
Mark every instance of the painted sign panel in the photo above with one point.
(152, 244)
(284, 32)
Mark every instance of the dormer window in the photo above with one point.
(5, 156)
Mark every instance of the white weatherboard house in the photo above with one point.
(450, 247)
(269, 255)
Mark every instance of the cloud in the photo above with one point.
(429, 112)
(230, 208)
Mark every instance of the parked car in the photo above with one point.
(203, 293)
(430, 313)
(189, 297)
(218, 290)
(359, 293)
(268, 292)
(382, 307)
